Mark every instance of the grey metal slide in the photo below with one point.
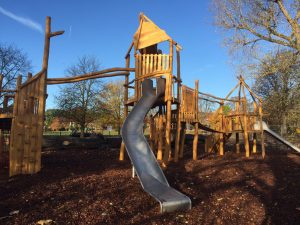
(275, 135)
(147, 168)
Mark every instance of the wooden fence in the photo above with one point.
(27, 125)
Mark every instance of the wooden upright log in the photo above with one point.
(196, 131)
(254, 142)
(177, 141)
(167, 152)
(168, 134)
(122, 148)
(237, 127)
(183, 132)
(246, 136)
(178, 132)
(263, 151)
(221, 135)
(237, 142)
(195, 142)
(254, 134)
(160, 138)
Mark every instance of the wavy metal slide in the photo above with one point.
(147, 168)
(275, 135)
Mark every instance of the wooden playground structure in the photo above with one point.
(181, 105)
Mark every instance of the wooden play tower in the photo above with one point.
(150, 63)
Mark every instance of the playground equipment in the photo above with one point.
(173, 107)
(141, 155)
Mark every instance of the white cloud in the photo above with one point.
(25, 21)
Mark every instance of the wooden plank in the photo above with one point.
(155, 58)
(159, 61)
(147, 64)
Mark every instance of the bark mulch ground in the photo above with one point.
(90, 186)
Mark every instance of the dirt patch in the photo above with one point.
(92, 187)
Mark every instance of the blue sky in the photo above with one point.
(105, 29)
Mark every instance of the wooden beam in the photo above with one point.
(129, 50)
(212, 96)
(98, 74)
(232, 90)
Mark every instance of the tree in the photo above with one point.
(111, 104)
(50, 114)
(278, 82)
(78, 101)
(13, 62)
(253, 21)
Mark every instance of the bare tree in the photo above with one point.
(78, 100)
(12, 63)
(253, 21)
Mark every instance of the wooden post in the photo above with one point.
(254, 142)
(263, 152)
(169, 107)
(178, 132)
(183, 132)
(221, 135)
(246, 137)
(237, 142)
(160, 138)
(195, 142)
(236, 127)
(122, 148)
(177, 143)
(254, 121)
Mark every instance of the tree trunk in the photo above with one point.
(119, 127)
(82, 131)
(283, 126)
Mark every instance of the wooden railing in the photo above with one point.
(152, 63)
